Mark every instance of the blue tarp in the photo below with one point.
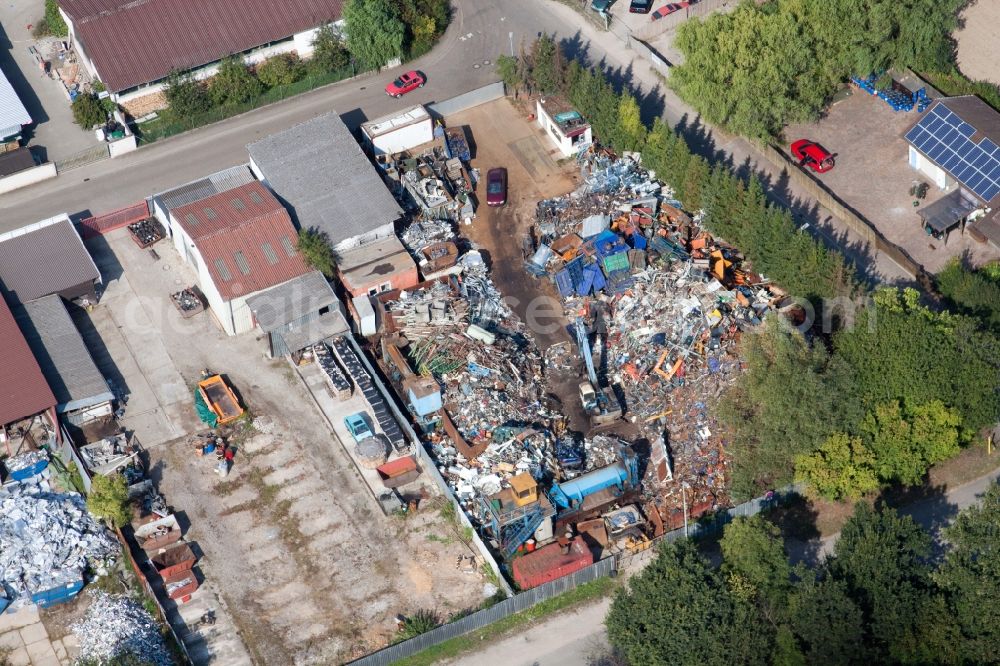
(638, 241)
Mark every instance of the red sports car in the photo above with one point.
(405, 83)
(667, 10)
(812, 155)
(496, 187)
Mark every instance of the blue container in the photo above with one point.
(58, 595)
(209, 448)
(28, 472)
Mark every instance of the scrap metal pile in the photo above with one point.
(188, 302)
(47, 539)
(667, 303)
(115, 627)
(435, 182)
(146, 232)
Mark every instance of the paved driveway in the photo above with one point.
(54, 130)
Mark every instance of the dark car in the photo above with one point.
(496, 187)
(640, 6)
(812, 155)
(405, 83)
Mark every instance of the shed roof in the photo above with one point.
(44, 258)
(62, 354)
(246, 239)
(393, 121)
(132, 42)
(291, 301)
(374, 262)
(15, 160)
(321, 173)
(23, 389)
(12, 111)
(947, 211)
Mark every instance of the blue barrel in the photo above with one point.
(209, 448)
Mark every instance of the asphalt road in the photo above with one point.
(463, 60)
(578, 637)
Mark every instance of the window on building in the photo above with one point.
(223, 270)
(385, 286)
(286, 243)
(269, 253)
(373, 291)
(323, 311)
(241, 262)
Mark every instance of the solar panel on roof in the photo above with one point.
(943, 136)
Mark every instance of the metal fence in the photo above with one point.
(83, 158)
(488, 616)
(102, 224)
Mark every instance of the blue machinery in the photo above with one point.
(623, 474)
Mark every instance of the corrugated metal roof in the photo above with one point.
(12, 111)
(320, 171)
(291, 301)
(132, 42)
(23, 390)
(216, 183)
(61, 354)
(45, 258)
(221, 211)
(16, 160)
(233, 239)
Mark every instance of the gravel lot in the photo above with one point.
(979, 41)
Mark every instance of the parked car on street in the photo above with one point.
(812, 155)
(358, 426)
(496, 187)
(600, 6)
(405, 83)
(640, 6)
(667, 10)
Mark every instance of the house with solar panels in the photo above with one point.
(956, 145)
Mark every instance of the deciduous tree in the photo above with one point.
(315, 248)
(842, 468)
(375, 33)
(234, 83)
(186, 97)
(329, 52)
(281, 70)
(108, 499)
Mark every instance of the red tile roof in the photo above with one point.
(246, 239)
(23, 390)
(132, 42)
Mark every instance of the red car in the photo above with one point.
(667, 10)
(405, 83)
(812, 155)
(496, 187)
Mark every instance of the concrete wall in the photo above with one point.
(488, 93)
(27, 177)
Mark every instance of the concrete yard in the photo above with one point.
(872, 176)
(306, 563)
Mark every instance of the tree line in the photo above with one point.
(883, 597)
(762, 66)
(897, 388)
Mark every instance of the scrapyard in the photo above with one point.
(653, 308)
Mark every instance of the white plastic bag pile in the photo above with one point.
(116, 625)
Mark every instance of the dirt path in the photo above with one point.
(979, 41)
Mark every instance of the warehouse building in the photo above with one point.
(132, 45)
(956, 144)
(26, 401)
(44, 258)
(13, 115)
(80, 389)
(320, 173)
(240, 242)
(298, 313)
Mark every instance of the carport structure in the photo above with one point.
(941, 217)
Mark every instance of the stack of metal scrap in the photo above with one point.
(146, 232)
(420, 313)
(107, 455)
(116, 627)
(47, 539)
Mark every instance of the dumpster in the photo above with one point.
(152, 535)
(58, 594)
(169, 561)
(398, 472)
(216, 394)
(180, 585)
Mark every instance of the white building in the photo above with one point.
(240, 241)
(397, 132)
(132, 45)
(13, 115)
(563, 124)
